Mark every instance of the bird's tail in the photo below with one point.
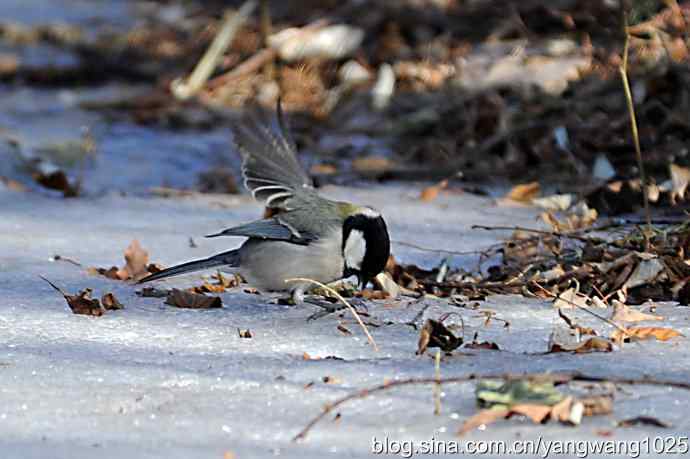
(230, 258)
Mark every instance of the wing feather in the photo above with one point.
(269, 228)
(270, 167)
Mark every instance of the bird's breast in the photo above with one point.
(268, 264)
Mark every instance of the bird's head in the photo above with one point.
(366, 244)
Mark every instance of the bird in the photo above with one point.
(302, 234)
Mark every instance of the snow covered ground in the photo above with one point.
(154, 381)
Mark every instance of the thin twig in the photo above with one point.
(623, 69)
(429, 249)
(344, 301)
(577, 237)
(553, 377)
(184, 89)
(437, 387)
(588, 311)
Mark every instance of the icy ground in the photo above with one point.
(154, 381)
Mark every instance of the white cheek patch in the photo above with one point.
(355, 248)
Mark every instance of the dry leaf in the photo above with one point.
(137, 260)
(435, 334)
(152, 292)
(573, 326)
(331, 380)
(641, 333)
(555, 202)
(623, 313)
(185, 299)
(537, 413)
(483, 418)
(680, 177)
(568, 411)
(594, 344)
(81, 303)
(245, 333)
(111, 303)
(483, 345)
(431, 192)
(597, 405)
(385, 282)
(571, 298)
(524, 193)
(644, 420)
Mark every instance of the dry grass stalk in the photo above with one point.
(342, 300)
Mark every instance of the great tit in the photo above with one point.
(303, 235)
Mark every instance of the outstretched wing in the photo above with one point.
(270, 167)
(270, 228)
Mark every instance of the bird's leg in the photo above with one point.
(330, 308)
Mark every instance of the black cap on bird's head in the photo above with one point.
(366, 245)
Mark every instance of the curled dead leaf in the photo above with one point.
(430, 193)
(435, 334)
(189, 300)
(81, 303)
(593, 344)
(642, 333)
(537, 413)
(524, 192)
(111, 303)
(623, 313)
(245, 333)
(136, 262)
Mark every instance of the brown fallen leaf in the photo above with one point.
(489, 345)
(568, 411)
(623, 313)
(597, 405)
(137, 260)
(81, 303)
(537, 413)
(189, 300)
(680, 178)
(431, 192)
(111, 303)
(245, 333)
(110, 273)
(573, 326)
(483, 418)
(152, 292)
(524, 192)
(435, 334)
(57, 180)
(593, 344)
(641, 333)
(344, 330)
(644, 420)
